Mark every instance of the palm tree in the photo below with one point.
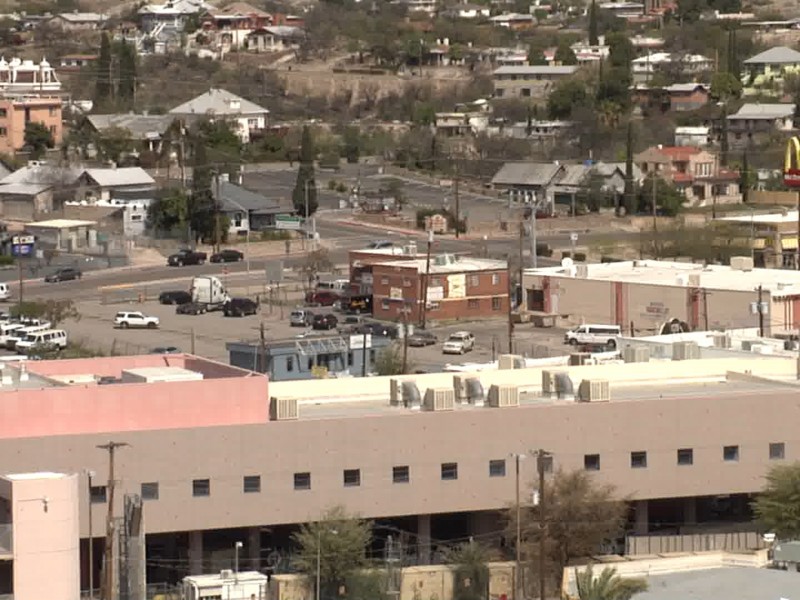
(607, 586)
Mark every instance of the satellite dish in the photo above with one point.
(566, 262)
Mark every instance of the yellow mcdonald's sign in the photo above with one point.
(791, 163)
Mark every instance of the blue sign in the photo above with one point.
(21, 249)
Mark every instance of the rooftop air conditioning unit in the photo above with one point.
(685, 351)
(437, 399)
(475, 393)
(742, 263)
(460, 388)
(721, 340)
(283, 409)
(636, 354)
(582, 271)
(594, 390)
(395, 393)
(411, 395)
(226, 574)
(549, 383)
(694, 280)
(507, 361)
(519, 362)
(503, 395)
(578, 359)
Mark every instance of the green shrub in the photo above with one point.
(6, 260)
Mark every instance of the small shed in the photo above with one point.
(65, 234)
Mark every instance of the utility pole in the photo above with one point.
(262, 347)
(510, 313)
(518, 591)
(534, 255)
(108, 582)
(89, 476)
(655, 220)
(424, 308)
(405, 338)
(760, 311)
(216, 214)
(364, 355)
(19, 268)
(540, 467)
(457, 199)
(521, 262)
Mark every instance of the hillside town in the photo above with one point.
(399, 300)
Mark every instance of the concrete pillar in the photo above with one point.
(253, 549)
(690, 511)
(642, 525)
(424, 539)
(195, 553)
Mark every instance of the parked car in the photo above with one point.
(186, 257)
(227, 255)
(191, 308)
(5, 291)
(327, 321)
(379, 244)
(165, 350)
(422, 338)
(351, 324)
(300, 318)
(239, 307)
(322, 298)
(125, 319)
(459, 342)
(379, 329)
(65, 274)
(174, 297)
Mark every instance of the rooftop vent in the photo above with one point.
(564, 388)
(475, 392)
(411, 395)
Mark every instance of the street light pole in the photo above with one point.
(236, 548)
(518, 591)
(89, 475)
(540, 467)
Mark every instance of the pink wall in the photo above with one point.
(131, 407)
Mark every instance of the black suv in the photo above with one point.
(175, 297)
(328, 321)
(239, 307)
(227, 255)
(66, 274)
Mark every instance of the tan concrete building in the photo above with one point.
(18, 111)
(645, 294)
(685, 441)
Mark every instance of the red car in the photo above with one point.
(322, 298)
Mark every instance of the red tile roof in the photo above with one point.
(679, 152)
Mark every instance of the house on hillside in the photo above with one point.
(78, 21)
(528, 81)
(671, 64)
(246, 210)
(754, 123)
(245, 117)
(693, 136)
(173, 13)
(36, 190)
(514, 21)
(468, 11)
(231, 24)
(770, 65)
(123, 184)
(693, 171)
(275, 38)
(529, 182)
(147, 131)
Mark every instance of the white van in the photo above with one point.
(5, 292)
(601, 335)
(7, 329)
(20, 334)
(49, 338)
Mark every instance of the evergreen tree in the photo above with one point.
(127, 73)
(306, 184)
(201, 203)
(594, 39)
(744, 179)
(734, 68)
(102, 90)
(630, 193)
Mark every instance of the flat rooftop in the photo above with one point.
(775, 218)
(449, 263)
(730, 582)
(779, 282)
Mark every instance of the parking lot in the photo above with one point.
(207, 334)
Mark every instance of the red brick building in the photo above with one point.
(363, 261)
(458, 288)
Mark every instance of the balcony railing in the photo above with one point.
(6, 538)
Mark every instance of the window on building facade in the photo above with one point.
(3, 131)
(406, 282)
(352, 477)
(591, 462)
(730, 453)
(302, 481)
(290, 363)
(496, 303)
(385, 304)
(53, 111)
(52, 130)
(449, 471)
(384, 281)
(251, 484)
(777, 451)
(401, 474)
(638, 460)
(201, 487)
(474, 280)
(685, 456)
(97, 493)
(150, 490)
(495, 278)
(3, 113)
(473, 303)
(497, 468)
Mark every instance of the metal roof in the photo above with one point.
(763, 111)
(218, 102)
(534, 70)
(235, 198)
(24, 189)
(120, 176)
(529, 173)
(775, 56)
(141, 127)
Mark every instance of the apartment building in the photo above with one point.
(214, 461)
(17, 111)
(528, 81)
